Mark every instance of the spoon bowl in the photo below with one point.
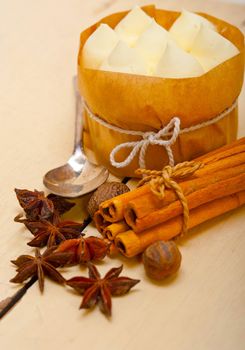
(78, 176)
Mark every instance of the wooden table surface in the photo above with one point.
(203, 307)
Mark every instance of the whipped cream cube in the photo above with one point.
(176, 63)
(98, 46)
(124, 59)
(211, 48)
(151, 45)
(185, 29)
(132, 25)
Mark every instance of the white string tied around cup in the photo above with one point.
(149, 138)
(171, 130)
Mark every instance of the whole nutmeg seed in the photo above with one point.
(161, 259)
(106, 191)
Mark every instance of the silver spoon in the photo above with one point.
(78, 176)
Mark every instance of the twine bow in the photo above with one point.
(166, 178)
(172, 129)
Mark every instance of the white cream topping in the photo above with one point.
(98, 46)
(151, 45)
(132, 25)
(124, 59)
(185, 29)
(139, 45)
(211, 48)
(176, 63)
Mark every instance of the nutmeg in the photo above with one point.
(161, 259)
(106, 191)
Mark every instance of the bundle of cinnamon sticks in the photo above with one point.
(136, 219)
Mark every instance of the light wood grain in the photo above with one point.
(203, 307)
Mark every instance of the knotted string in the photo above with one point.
(149, 138)
(166, 178)
(165, 137)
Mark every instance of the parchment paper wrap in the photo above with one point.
(148, 103)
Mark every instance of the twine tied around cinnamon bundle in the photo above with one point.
(159, 180)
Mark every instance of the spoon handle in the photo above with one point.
(78, 148)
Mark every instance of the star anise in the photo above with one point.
(40, 265)
(85, 249)
(61, 205)
(37, 206)
(51, 232)
(97, 290)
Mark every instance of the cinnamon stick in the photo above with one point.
(112, 209)
(130, 243)
(227, 148)
(195, 199)
(148, 203)
(112, 230)
(100, 222)
(227, 157)
(220, 164)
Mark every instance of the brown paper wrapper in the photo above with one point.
(135, 102)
